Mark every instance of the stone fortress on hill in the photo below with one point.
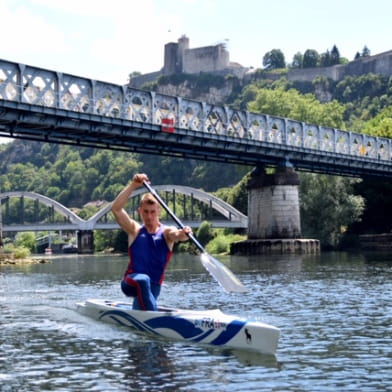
(180, 58)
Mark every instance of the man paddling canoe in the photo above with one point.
(150, 246)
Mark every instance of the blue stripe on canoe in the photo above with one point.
(116, 315)
(231, 330)
(182, 326)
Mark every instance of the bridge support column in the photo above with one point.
(274, 224)
(273, 204)
(85, 241)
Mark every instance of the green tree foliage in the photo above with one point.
(328, 207)
(20, 252)
(335, 56)
(107, 239)
(364, 97)
(365, 52)
(205, 233)
(25, 240)
(298, 60)
(311, 58)
(353, 89)
(274, 60)
(377, 217)
(325, 59)
(76, 177)
(299, 107)
(237, 195)
(380, 125)
(221, 243)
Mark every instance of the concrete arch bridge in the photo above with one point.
(191, 205)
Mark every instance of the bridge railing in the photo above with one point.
(37, 86)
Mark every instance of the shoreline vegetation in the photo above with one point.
(10, 259)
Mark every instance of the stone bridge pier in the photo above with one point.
(85, 241)
(274, 224)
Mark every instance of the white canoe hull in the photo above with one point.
(207, 327)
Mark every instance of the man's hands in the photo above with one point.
(187, 230)
(138, 180)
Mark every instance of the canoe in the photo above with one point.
(211, 327)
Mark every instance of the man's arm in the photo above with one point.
(126, 223)
(173, 235)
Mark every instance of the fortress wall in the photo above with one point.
(205, 59)
(309, 74)
(138, 81)
(384, 64)
(379, 64)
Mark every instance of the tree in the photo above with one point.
(328, 206)
(205, 233)
(26, 240)
(311, 58)
(365, 51)
(274, 59)
(335, 55)
(237, 195)
(298, 59)
(377, 218)
(380, 125)
(325, 59)
(133, 74)
(299, 107)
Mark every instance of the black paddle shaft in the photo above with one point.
(174, 217)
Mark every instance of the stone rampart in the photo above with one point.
(379, 64)
(309, 74)
(138, 81)
(205, 59)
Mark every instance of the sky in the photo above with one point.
(108, 40)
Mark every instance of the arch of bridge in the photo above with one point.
(217, 204)
(61, 209)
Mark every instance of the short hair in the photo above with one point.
(148, 198)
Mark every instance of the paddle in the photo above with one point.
(219, 272)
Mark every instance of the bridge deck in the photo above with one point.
(44, 105)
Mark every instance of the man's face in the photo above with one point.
(149, 213)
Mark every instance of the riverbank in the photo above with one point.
(376, 241)
(9, 259)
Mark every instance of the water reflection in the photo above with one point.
(251, 359)
(149, 367)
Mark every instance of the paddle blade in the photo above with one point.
(222, 275)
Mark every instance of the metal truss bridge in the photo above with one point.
(50, 106)
(214, 210)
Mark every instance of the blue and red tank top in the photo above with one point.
(149, 254)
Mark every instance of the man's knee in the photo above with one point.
(128, 290)
(143, 281)
(133, 283)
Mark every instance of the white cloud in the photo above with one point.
(38, 34)
(98, 39)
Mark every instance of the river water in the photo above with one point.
(334, 312)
